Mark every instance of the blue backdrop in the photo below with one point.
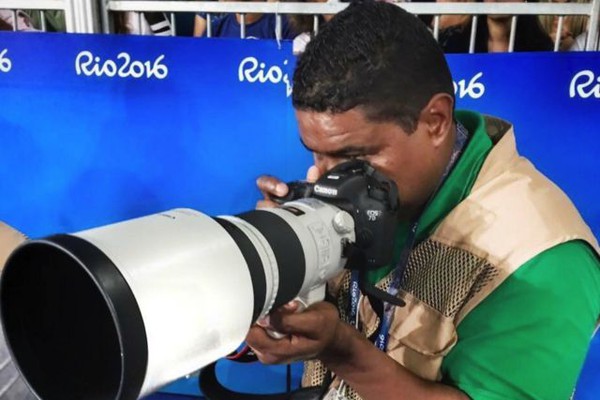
(96, 129)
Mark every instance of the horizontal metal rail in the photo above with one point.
(73, 18)
(561, 10)
(332, 8)
(33, 4)
(79, 13)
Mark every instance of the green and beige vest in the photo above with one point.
(512, 214)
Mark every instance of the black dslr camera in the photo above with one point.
(369, 197)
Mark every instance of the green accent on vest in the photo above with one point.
(457, 186)
(530, 328)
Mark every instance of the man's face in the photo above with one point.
(413, 161)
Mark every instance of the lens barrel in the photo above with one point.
(118, 311)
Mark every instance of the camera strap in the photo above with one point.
(381, 339)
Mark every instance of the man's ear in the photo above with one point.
(438, 117)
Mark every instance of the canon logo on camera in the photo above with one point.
(326, 191)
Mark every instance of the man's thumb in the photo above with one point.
(313, 174)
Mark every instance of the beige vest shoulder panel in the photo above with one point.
(512, 214)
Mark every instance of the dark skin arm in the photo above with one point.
(317, 332)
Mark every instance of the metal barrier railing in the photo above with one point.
(436, 10)
(85, 16)
(81, 16)
(43, 6)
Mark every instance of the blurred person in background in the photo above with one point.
(200, 22)
(143, 23)
(23, 22)
(54, 19)
(573, 26)
(5, 26)
(580, 41)
(493, 35)
(574, 32)
(447, 21)
(257, 26)
(303, 26)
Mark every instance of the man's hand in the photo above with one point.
(317, 332)
(310, 334)
(271, 187)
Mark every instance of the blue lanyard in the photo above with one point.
(388, 309)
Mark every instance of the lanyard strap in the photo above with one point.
(388, 308)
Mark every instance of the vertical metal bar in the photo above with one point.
(592, 37)
(95, 17)
(70, 17)
(513, 32)
(105, 16)
(173, 24)
(316, 24)
(278, 26)
(83, 15)
(88, 16)
(43, 20)
(473, 34)
(208, 25)
(436, 27)
(140, 20)
(243, 26)
(15, 20)
(558, 33)
(79, 12)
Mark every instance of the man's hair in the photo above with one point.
(375, 56)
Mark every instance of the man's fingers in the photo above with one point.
(308, 333)
(276, 351)
(307, 323)
(270, 185)
(262, 345)
(287, 308)
(313, 174)
(266, 204)
(291, 306)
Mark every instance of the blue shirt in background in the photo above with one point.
(263, 28)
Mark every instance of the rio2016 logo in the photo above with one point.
(254, 71)
(585, 84)
(89, 65)
(472, 89)
(5, 63)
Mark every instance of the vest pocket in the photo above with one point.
(420, 338)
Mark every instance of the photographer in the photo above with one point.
(500, 276)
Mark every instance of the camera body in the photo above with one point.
(369, 197)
